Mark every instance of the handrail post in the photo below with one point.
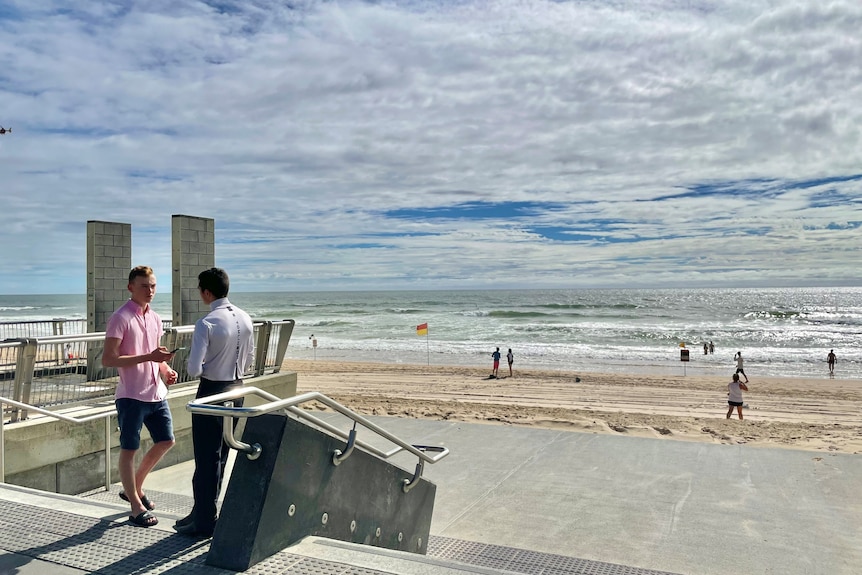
(26, 363)
(2, 445)
(261, 347)
(284, 333)
(108, 452)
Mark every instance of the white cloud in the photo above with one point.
(297, 128)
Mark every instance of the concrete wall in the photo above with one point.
(192, 251)
(109, 259)
(62, 457)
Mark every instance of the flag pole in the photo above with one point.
(428, 346)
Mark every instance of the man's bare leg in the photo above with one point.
(127, 477)
(150, 459)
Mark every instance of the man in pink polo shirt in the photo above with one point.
(132, 346)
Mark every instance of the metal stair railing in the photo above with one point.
(106, 415)
(204, 406)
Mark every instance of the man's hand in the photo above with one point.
(171, 377)
(161, 354)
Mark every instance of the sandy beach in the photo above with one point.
(810, 414)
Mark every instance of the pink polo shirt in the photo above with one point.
(139, 333)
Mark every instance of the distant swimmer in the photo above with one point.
(830, 359)
(705, 348)
(711, 348)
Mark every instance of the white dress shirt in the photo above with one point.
(222, 344)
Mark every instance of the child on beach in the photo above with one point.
(734, 396)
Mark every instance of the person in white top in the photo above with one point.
(222, 350)
(738, 358)
(734, 396)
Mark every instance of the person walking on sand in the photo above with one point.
(739, 369)
(222, 350)
(496, 357)
(132, 346)
(830, 360)
(734, 396)
(510, 357)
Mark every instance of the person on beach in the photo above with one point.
(496, 357)
(711, 348)
(510, 357)
(705, 348)
(739, 369)
(132, 346)
(222, 349)
(734, 396)
(830, 360)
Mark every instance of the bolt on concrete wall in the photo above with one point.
(192, 251)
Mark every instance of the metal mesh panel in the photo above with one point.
(108, 548)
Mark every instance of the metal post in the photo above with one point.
(2, 445)
(108, 452)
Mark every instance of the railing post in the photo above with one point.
(23, 377)
(261, 347)
(2, 445)
(108, 452)
(284, 334)
(57, 329)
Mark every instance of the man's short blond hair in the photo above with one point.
(140, 272)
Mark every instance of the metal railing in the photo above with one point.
(204, 406)
(45, 327)
(57, 370)
(106, 415)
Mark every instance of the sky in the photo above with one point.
(347, 145)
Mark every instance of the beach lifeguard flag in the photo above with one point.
(422, 329)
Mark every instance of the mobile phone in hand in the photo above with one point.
(176, 349)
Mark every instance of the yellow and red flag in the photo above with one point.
(422, 329)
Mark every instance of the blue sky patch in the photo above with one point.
(476, 211)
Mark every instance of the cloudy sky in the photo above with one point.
(458, 144)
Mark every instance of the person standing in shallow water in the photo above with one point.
(734, 396)
(830, 360)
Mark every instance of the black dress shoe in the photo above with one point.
(192, 529)
(185, 520)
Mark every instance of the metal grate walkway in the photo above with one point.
(110, 548)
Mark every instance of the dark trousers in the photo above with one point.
(210, 454)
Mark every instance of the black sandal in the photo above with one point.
(144, 499)
(144, 519)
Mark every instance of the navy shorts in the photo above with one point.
(132, 415)
(734, 403)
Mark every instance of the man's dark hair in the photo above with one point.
(215, 280)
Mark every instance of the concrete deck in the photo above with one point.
(588, 503)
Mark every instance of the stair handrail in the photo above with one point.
(204, 406)
(107, 414)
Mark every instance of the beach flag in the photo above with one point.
(422, 329)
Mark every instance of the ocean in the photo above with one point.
(780, 331)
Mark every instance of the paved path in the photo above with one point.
(684, 507)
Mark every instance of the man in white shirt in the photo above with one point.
(222, 350)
